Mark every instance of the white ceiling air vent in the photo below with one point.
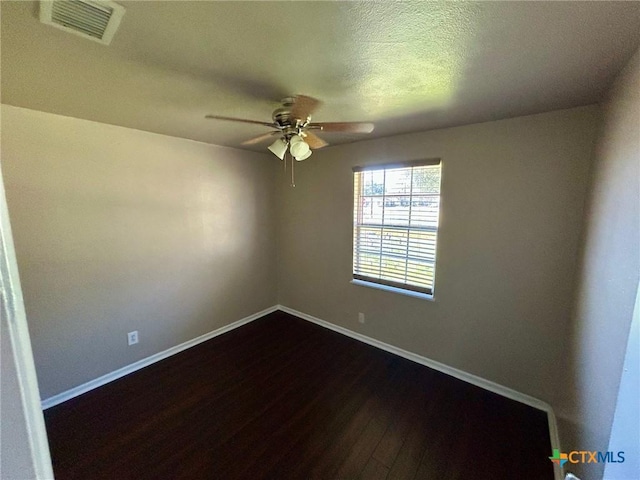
(94, 19)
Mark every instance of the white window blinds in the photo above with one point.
(395, 224)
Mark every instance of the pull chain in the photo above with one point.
(284, 161)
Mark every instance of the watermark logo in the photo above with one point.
(582, 456)
(559, 458)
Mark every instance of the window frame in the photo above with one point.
(380, 283)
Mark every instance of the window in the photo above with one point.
(395, 225)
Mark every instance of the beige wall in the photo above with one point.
(512, 207)
(608, 277)
(119, 230)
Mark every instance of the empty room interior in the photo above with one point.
(320, 240)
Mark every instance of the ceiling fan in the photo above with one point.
(293, 127)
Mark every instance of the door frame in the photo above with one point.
(14, 324)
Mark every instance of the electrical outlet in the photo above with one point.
(132, 337)
(361, 317)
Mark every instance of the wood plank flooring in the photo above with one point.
(281, 398)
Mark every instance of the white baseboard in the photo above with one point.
(441, 367)
(121, 372)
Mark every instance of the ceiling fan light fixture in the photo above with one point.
(278, 148)
(298, 147)
(305, 156)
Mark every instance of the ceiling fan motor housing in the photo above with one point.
(282, 116)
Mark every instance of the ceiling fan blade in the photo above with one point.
(346, 127)
(304, 106)
(231, 119)
(314, 141)
(260, 138)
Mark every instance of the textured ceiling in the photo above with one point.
(406, 66)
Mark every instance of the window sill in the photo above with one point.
(401, 291)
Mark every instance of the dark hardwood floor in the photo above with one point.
(281, 398)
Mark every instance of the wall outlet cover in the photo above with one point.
(132, 337)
